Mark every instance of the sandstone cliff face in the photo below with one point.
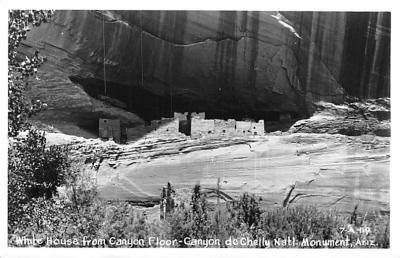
(229, 64)
(328, 171)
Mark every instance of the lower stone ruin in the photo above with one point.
(194, 125)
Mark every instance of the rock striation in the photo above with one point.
(230, 64)
(352, 119)
(329, 171)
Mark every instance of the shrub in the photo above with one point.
(199, 215)
(191, 220)
(300, 222)
(56, 219)
(33, 171)
(247, 210)
(79, 186)
(122, 220)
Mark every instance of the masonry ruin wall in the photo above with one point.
(201, 127)
(110, 129)
(222, 127)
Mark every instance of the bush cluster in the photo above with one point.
(194, 219)
(33, 171)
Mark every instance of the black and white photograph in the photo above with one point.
(131, 128)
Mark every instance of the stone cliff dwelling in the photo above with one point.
(194, 125)
(110, 129)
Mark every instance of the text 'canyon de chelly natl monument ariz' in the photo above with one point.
(291, 106)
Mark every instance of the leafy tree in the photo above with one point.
(199, 213)
(19, 107)
(33, 171)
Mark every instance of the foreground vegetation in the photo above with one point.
(82, 220)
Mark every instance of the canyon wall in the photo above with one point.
(230, 64)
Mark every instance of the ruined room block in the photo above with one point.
(110, 129)
(201, 127)
(257, 128)
(243, 127)
(184, 127)
(181, 116)
(224, 126)
(200, 115)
